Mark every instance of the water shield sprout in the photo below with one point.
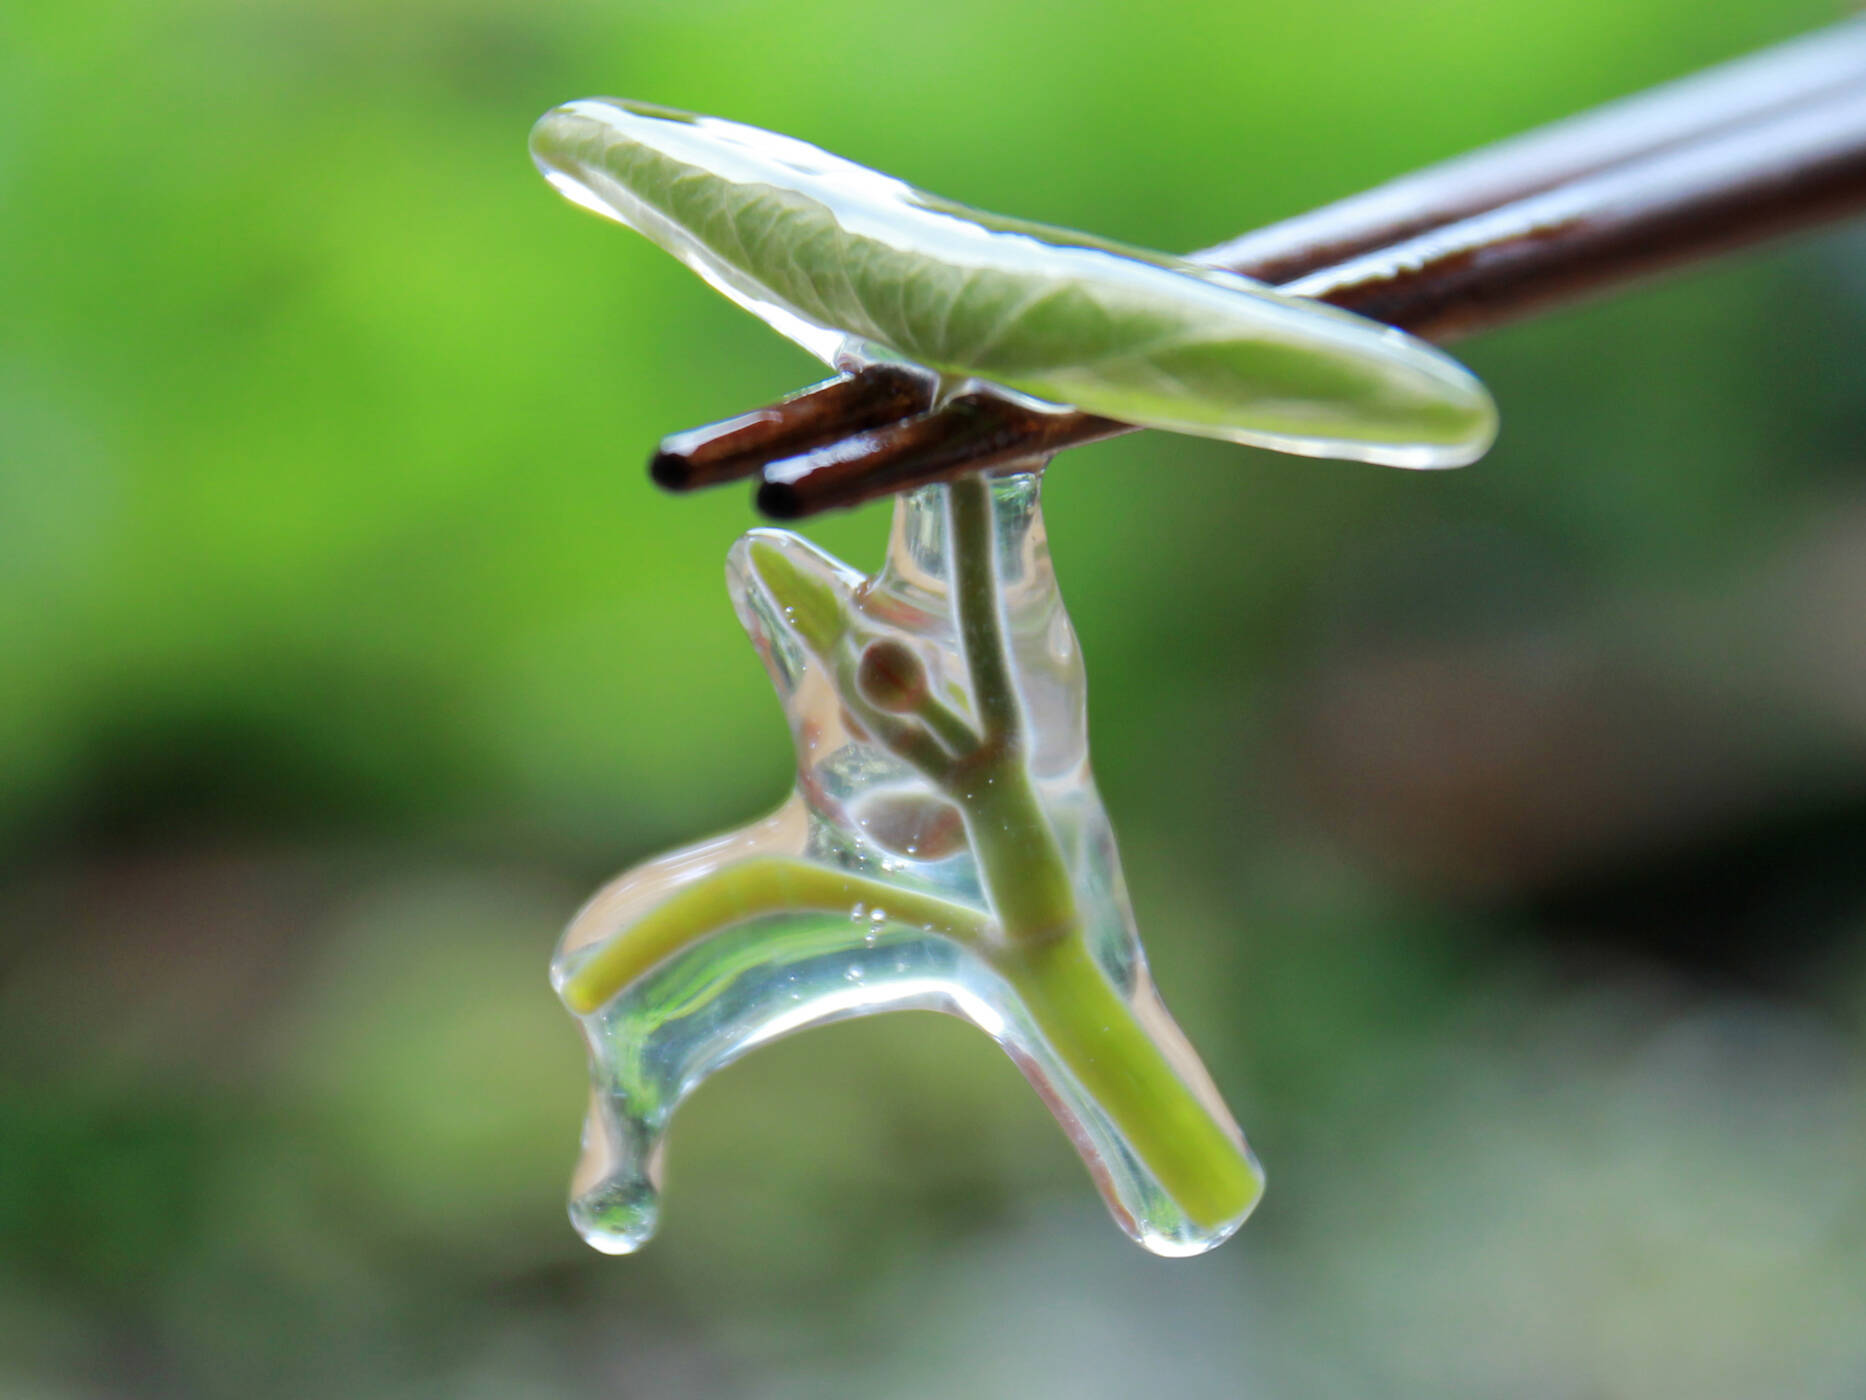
(944, 847)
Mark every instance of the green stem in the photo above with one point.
(1042, 951)
(1193, 1154)
(1019, 860)
(749, 890)
(969, 539)
(1020, 863)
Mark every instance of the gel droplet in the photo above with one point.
(619, 1217)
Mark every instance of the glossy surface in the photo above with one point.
(854, 265)
(878, 887)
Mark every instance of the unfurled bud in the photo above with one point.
(891, 676)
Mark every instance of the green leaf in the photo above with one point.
(851, 263)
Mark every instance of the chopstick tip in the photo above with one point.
(779, 500)
(671, 471)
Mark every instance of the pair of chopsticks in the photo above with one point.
(1761, 146)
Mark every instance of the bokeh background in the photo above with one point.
(1499, 835)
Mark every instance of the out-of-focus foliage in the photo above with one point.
(1501, 835)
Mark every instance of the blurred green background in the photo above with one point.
(1499, 835)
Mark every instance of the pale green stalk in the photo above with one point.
(1041, 950)
(748, 890)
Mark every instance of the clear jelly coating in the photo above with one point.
(890, 880)
(853, 265)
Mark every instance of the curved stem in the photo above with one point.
(749, 890)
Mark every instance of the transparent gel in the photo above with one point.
(866, 891)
